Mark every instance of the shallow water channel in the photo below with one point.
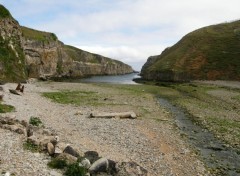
(217, 156)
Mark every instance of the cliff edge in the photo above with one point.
(28, 53)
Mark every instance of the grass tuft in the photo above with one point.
(30, 146)
(6, 108)
(35, 121)
(57, 163)
(75, 170)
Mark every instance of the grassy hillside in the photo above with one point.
(38, 35)
(208, 53)
(84, 56)
(4, 13)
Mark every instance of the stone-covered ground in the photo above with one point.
(152, 140)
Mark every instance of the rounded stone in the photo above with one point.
(86, 163)
(50, 148)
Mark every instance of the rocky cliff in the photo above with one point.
(209, 53)
(31, 53)
(48, 57)
(12, 60)
(88, 64)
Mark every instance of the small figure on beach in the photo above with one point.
(22, 89)
(18, 86)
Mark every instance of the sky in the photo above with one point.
(126, 30)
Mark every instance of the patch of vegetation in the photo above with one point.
(12, 58)
(57, 163)
(38, 35)
(226, 127)
(236, 98)
(75, 170)
(35, 121)
(74, 97)
(6, 108)
(209, 111)
(31, 147)
(4, 13)
(87, 57)
(59, 68)
(81, 55)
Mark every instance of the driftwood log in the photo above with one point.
(14, 92)
(121, 115)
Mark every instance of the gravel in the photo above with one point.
(155, 145)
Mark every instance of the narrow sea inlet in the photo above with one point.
(115, 79)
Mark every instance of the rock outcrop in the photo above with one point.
(28, 53)
(209, 53)
(12, 60)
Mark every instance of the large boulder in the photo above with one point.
(92, 156)
(71, 151)
(100, 165)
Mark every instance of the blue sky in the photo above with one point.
(127, 30)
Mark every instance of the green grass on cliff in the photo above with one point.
(38, 35)
(13, 65)
(4, 13)
(207, 53)
(84, 56)
(12, 59)
(80, 55)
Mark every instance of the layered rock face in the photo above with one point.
(88, 64)
(30, 53)
(41, 57)
(48, 57)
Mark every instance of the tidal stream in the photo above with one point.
(217, 156)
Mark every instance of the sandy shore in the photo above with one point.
(155, 145)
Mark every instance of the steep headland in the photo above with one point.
(31, 53)
(209, 53)
(12, 59)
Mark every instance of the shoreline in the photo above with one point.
(152, 140)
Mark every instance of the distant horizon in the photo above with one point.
(127, 30)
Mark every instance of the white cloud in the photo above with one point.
(129, 30)
(135, 56)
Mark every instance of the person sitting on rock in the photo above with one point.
(18, 86)
(22, 89)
